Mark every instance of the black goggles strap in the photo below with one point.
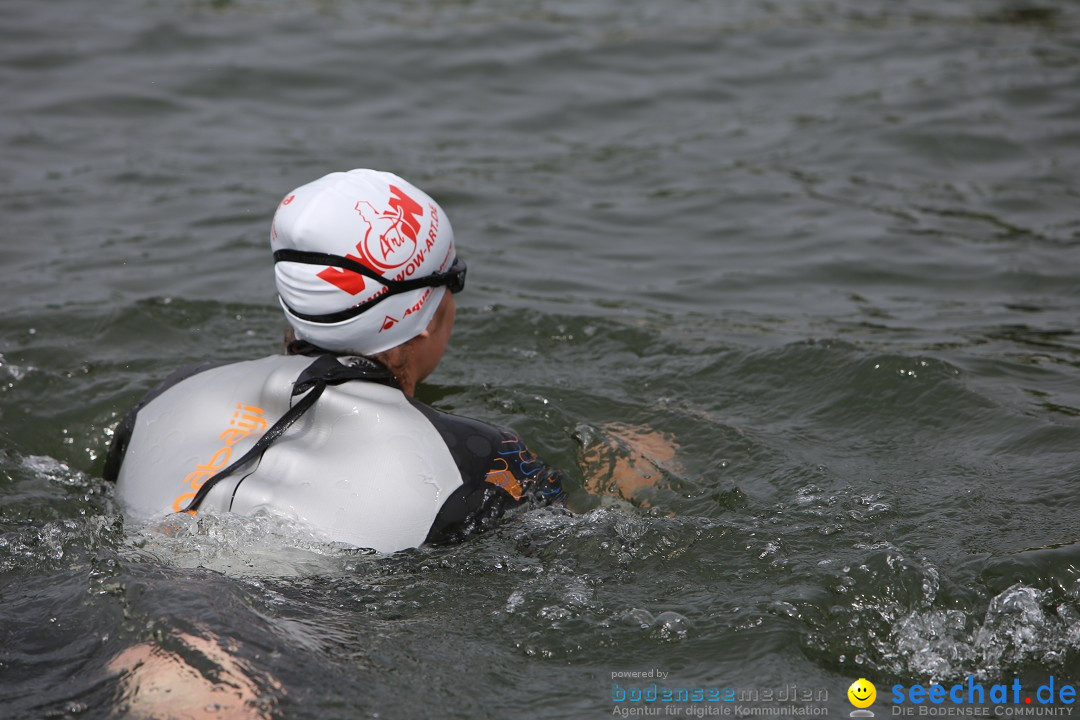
(276, 430)
(453, 278)
(394, 286)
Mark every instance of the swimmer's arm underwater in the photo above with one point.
(626, 461)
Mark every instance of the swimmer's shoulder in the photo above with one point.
(498, 473)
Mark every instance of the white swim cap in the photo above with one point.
(362, 260)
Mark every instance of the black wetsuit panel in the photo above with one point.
(497, 473)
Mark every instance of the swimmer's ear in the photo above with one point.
(425, 333)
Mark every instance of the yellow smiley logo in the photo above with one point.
(862, 693)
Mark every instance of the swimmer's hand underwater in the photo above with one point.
(626, 461)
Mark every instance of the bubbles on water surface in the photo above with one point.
(598, 581)
(897, 616)
(53, 470)
(75, 525)
(41, 546)
(13, 371)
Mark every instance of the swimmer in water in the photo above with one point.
(330, 432)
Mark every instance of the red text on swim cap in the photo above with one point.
(388, 241)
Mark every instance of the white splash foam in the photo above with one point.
(263, 545)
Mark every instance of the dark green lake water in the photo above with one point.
(830, 248)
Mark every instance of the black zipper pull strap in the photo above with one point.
(276, 430)
(325, 370)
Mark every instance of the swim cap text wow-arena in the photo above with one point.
(362, 260)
